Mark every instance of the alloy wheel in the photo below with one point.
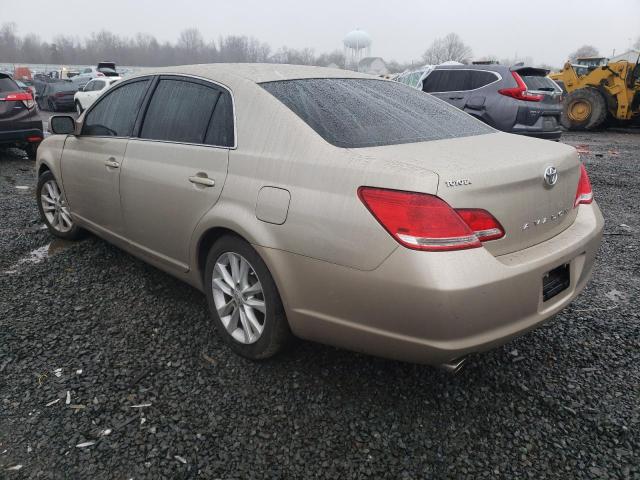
(55, 207)
(238, 297)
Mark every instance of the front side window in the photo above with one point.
(116, 111)
(98, 85)
(181, 111)
(352, 113)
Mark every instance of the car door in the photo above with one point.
(91, 161)
(96, 89)
(175, 170)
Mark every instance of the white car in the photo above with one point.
(104, 69)
(91, 91)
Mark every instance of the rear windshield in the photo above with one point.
(540, 83)
(352, 113)
(7, 84)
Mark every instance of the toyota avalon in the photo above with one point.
(328, 205)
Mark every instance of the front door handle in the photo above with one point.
(111, 163)
(204, 181)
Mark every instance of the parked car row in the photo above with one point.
(332, 205)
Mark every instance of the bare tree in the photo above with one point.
(584, 51)
(448, 48)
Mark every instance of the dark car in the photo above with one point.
(57, 96)
(20, 124)
(516, 99)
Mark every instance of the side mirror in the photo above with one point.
(62, 125)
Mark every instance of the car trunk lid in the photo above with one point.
(503, 174)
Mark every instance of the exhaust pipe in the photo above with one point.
(454, 366)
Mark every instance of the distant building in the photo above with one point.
(631, 56)
(373, 66)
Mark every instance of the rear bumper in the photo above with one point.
(22, 135)
(538, 128)
(555, 135)
(433, 307)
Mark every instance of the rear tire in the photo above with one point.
(584, 109)
(226, 298)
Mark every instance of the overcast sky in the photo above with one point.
(545, 30)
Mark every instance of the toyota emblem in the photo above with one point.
(551, 176)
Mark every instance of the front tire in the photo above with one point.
(244, 300)
(54, 209)
(584, 109)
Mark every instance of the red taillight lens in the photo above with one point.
(584, 193)
(483, 224)
(17, 96)
(24, 97)
(426, 222)
(520, 92)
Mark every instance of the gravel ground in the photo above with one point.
(108, 370)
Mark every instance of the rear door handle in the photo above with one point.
(204, 181)
(111, 163)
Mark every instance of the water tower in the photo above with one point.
(357, 45)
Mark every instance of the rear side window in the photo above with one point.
(446, 81)
(352, 113)
(220, 130)
(479, 79)
(116, 111)
(539, 83)
(98, 85)
(179, 111)
(8, 85)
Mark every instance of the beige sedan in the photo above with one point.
(327, 205)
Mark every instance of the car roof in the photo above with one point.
(491, 67)
(254, 72)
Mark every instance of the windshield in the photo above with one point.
(352, 113)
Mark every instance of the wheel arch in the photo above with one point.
(44, 167)
(208, 237)
(204, 244)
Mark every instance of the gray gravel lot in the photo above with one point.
(142, 377)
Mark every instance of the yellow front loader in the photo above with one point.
(596, 96)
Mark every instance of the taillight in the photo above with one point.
(25, 97)
(426, 222)
(584, 194)
(483, 224)
(520, 92)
